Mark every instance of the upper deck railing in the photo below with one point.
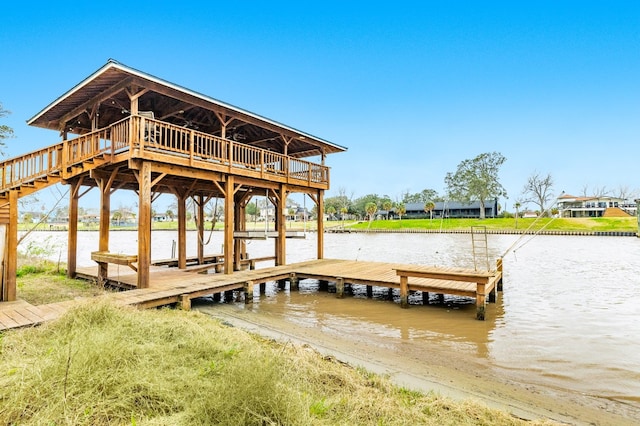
(139, 135)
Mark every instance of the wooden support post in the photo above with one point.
(323, 285)
(281, 241)
(320, 224)
(11, 250)
(182, 231)
(293, 282)
(240, 224)
(228, 296)
(228, 225)
(105, 219)
(3, 251)
(404, 291)
(72, 236)
(340, 288)
(390, 293)
(263, 288)
(248, 292)
(480, 301)
(441, 298)
(499, 269)
(369, 291)
(185, 302)
(492, 295)
(216, 297)
(200, 203)
(144, 224)
(425, 297)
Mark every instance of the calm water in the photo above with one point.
(569, 316)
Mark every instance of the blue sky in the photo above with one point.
(411, 88)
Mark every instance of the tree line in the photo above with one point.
(475, 179)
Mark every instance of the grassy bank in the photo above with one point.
(107, 365)
(101, 364)
(600, 224)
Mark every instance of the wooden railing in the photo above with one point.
(141, 133)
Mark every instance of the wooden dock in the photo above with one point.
(171, 286)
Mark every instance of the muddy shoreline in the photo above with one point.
(457, 376)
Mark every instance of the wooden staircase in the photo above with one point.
(615, 212)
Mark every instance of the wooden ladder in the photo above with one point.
(480, 247)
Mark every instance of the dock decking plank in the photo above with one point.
(169, 284)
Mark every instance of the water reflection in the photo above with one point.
(450, 325)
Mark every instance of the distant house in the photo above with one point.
(452, 209)
(572, 206)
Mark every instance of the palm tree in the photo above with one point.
(343, 213)
(387, 206)
(401, 209)
(428, 208)
(371, 208)
(517, 206)
(292, 215)
(331, 211)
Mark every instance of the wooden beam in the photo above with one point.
(103, 96)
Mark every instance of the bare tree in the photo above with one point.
(601, 192)
(626, 193)
(584, 191)
(538, 190)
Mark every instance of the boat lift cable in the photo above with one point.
(213, 224)
(526, 232)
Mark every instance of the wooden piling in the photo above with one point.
(404, 292)
(293, 282)
(369, 291)
(499, 269)
(185, 302)
(425, 297)
(248, 292)
(339, 288)
(480, 302)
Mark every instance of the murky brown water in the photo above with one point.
(569, 317)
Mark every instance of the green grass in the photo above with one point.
(560, 224)
(106, 365)
(625, 224)
(40, 281)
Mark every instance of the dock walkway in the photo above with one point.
(174, 286)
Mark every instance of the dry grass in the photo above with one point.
(103, 365)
